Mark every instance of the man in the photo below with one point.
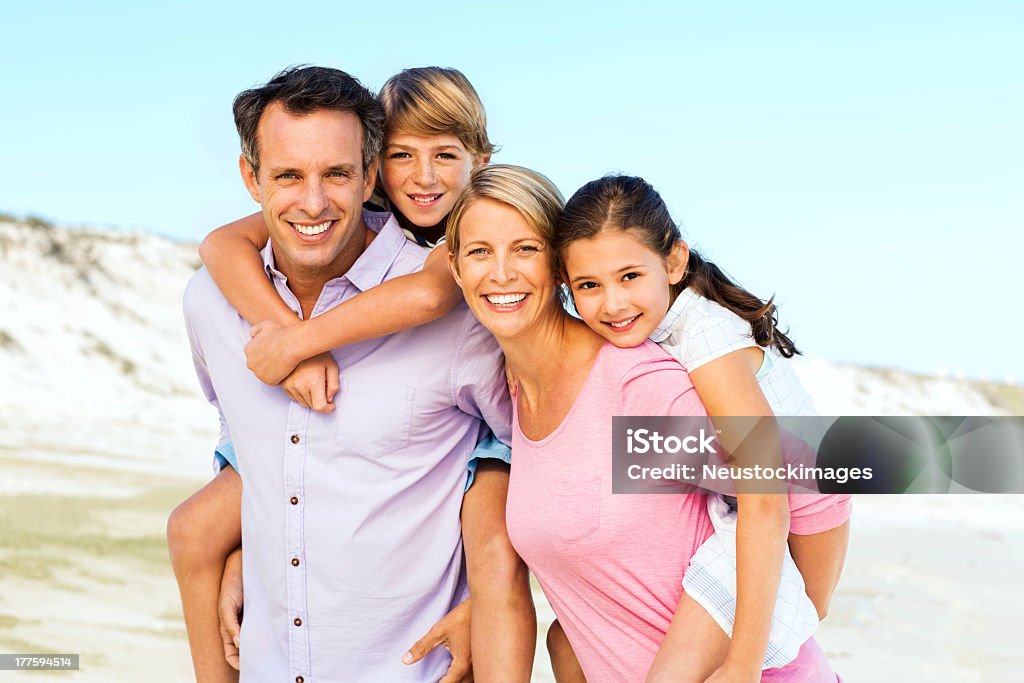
(350, 519)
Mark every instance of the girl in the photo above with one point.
(631, 278)
(611, 573)
(435, 134)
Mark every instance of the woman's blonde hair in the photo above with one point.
(526, 191)
(432, 100)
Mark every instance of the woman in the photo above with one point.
(613, 585)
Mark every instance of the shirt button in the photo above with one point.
(294, 500)
(295, 562)
(297, 622)
(295, 438)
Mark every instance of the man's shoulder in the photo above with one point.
(202, 297)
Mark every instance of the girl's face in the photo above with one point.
(622, 288)
(423, 175)
(504, 268)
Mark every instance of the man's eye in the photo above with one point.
(286, 176)
(338, 174)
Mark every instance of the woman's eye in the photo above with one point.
(528, 248)
(476, 252)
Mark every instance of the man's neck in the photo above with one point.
(306, 283)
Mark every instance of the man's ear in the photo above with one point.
(453, 267)
(677, 262)
(249, 178)
(371, 179)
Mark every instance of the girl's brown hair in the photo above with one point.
(620, 202)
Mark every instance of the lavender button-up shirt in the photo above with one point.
(350, 520)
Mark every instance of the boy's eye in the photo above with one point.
(446, 155)
(399, 155)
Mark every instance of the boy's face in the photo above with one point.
(423, 175)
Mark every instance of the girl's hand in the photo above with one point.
(314, 383)
(733, 674)
(270, 352)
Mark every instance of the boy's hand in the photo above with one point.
(452, 632)
(314, 383)
(270, 351)
(229, 607)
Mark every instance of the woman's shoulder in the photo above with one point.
(643, 377)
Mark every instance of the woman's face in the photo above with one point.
(504, 268)
(423, 175)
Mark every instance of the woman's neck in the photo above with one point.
(550, 351)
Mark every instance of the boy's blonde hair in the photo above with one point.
(432, 100)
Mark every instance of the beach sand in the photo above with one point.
(929, 592)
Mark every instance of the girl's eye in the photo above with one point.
(630, 276)
(586, 285)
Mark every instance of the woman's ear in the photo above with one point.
(453, 268)
(482, 160)
(677, 262)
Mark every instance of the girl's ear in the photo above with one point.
(677, 262)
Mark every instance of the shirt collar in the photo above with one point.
(371, 266)
(685, 300)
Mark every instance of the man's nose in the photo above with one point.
(314, 198)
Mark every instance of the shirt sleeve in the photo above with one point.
(712, 338)
(659, 386)
(224, 444)
(478, 380)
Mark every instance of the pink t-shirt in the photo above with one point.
(612, 565)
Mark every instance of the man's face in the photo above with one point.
(311, 186)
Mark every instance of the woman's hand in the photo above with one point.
(270, 353)
(229, 606)
(314, 383)
(452, 632)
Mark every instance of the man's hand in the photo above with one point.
(314, 383)
(229, 607)
(270, 351)
(452, 632)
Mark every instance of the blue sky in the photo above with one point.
(860, 160)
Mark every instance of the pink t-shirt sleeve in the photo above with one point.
(659, 386)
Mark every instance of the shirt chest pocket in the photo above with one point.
(574, 509)
(374, 418)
